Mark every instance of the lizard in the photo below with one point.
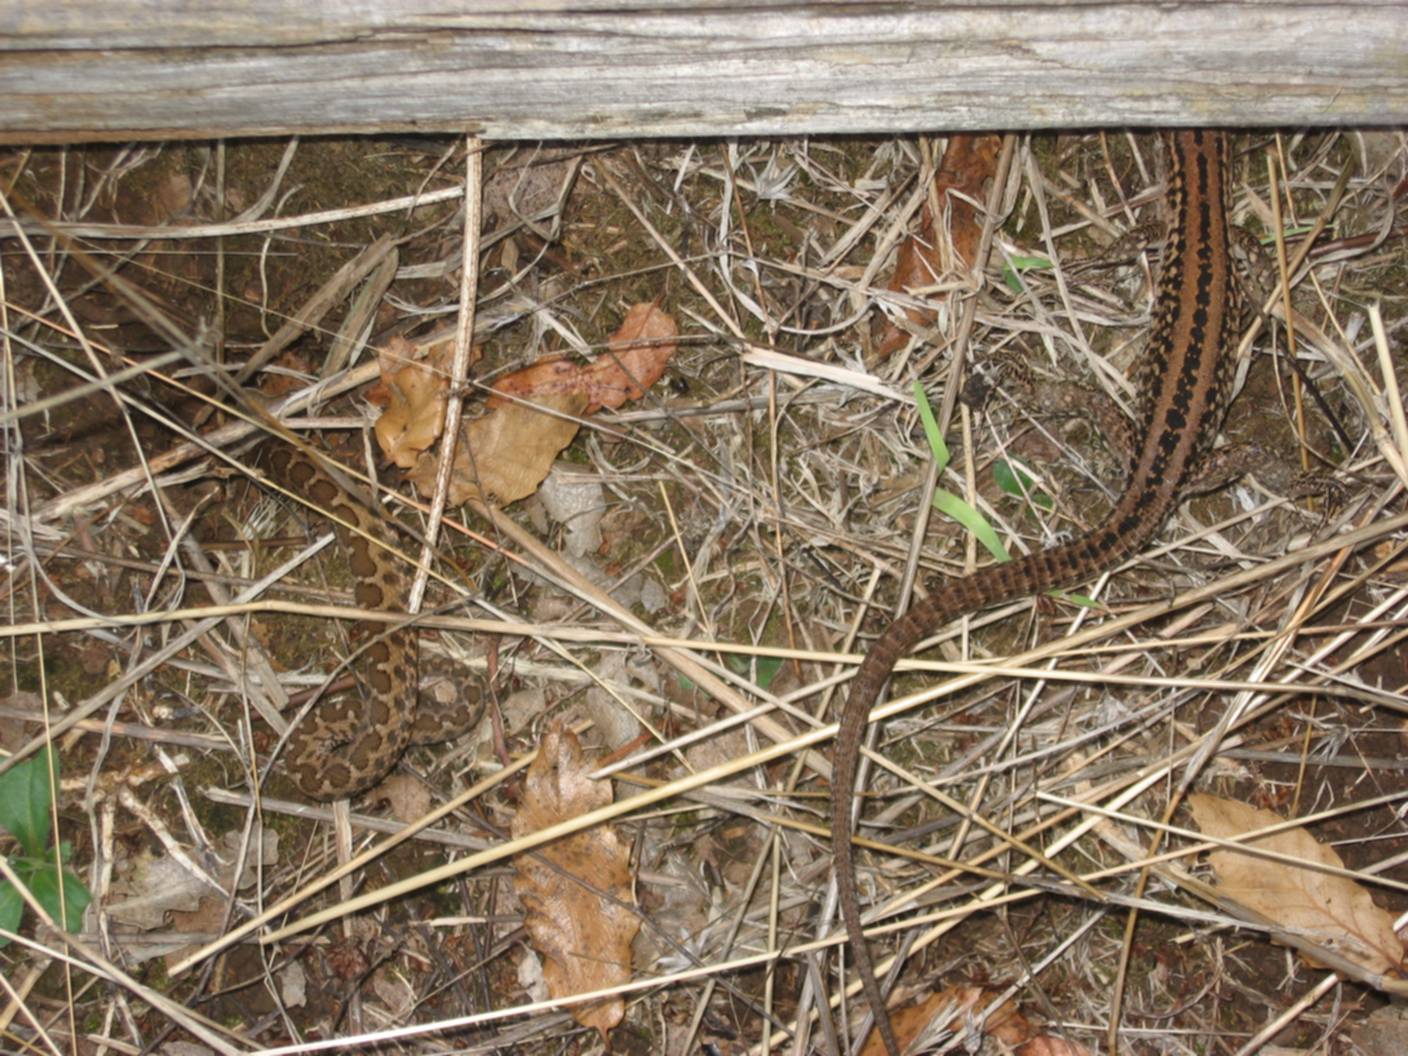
(1184, 379)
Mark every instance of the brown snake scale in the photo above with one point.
(350, 740)
(1184, 378)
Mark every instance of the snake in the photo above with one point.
(351, 739)
(1186, 379)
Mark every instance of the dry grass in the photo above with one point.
(767, 497)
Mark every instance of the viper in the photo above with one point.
(351, 739)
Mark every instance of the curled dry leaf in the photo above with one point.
(506, 453)
(585, 939)
(637, 354)
(969, 162)
(956, 1009)
(1333, 911)
(414, 393)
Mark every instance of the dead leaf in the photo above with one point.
(956, 1009)
(507, 452)
(584, 939)
(150, 887)
(969, 162)
(414, 393)
(293, 984)
(950, 1012)
(1333, 911)
(637, 354)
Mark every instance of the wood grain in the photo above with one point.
(591, 69)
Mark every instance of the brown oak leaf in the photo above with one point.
(635, 358)
(1333, 911)
(949, 1012)
(414, 393)
(584, 938)
(506, 453)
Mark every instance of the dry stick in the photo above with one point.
(1279, 1023)
(1349, 540)
(1132, 918)
(459, 368)
(370, 822)
(12, 229)
(361, 314)
(1395, 456)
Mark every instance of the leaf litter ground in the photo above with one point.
(740, 506)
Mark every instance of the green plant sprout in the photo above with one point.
(950, 505)
(25, 799)
(1016, 264)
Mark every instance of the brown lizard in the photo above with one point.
(1184, 379)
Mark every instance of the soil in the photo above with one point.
(771, 511)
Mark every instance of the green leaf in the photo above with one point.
(768, 667)
(931, 427)
(45, 887)
(1017, 264)
(950, 505)
(947, 503)
(11, 908)
(24, 803)
(1014, 481)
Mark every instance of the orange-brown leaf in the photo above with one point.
(584, 939)
(506, 453)
(952, 1010)
(968, 163)
(413, 391)
(637, 354)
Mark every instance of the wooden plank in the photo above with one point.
(546, 69)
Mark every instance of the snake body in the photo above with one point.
(350, 740)
(1185, 379)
